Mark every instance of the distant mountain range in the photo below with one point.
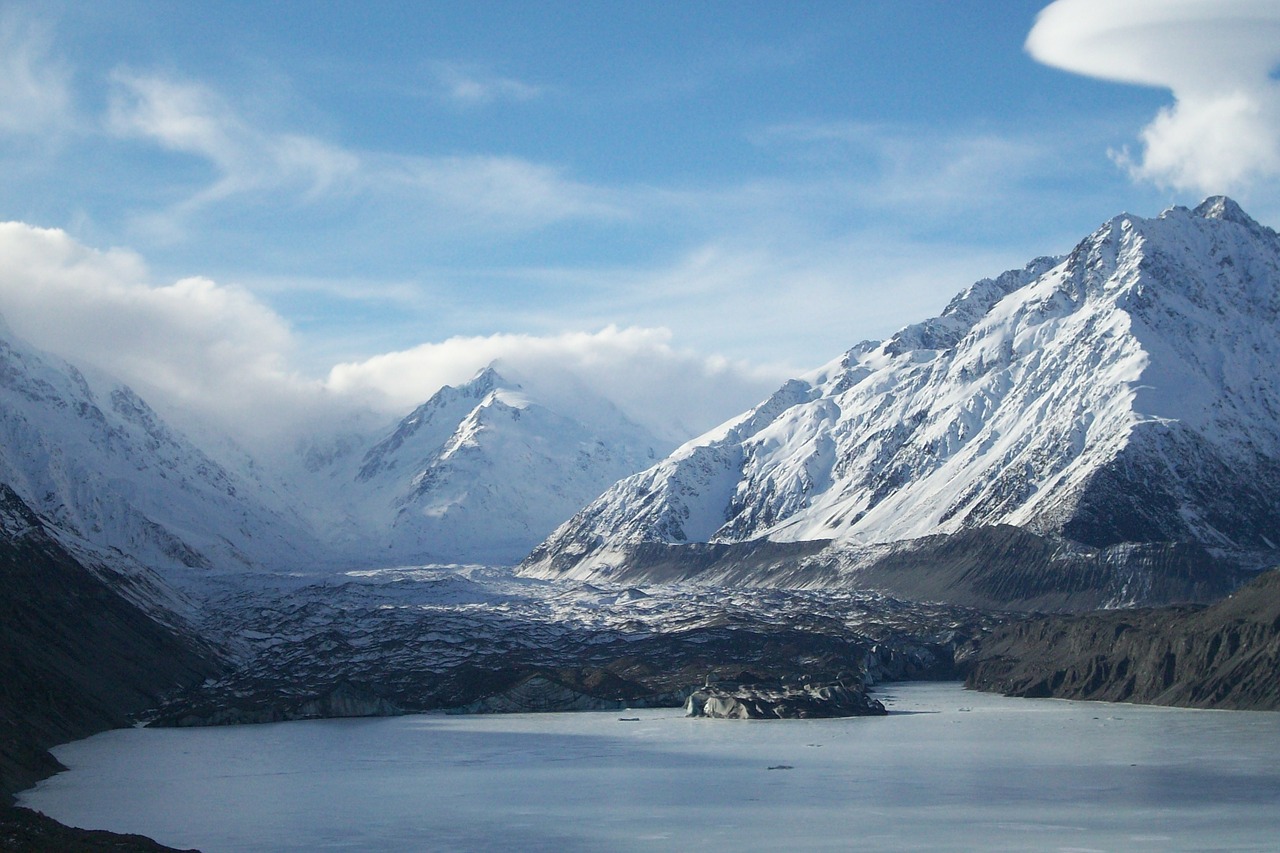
(480, 473)
(1126, 393)
(1113, 415)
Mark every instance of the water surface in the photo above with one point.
(947, 770)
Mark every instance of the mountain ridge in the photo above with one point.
(1121, 393)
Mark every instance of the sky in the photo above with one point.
(260, 211)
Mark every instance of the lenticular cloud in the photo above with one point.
(1222, 133)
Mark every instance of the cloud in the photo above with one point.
(673, 392)
(1222, 133)
(209, 349)
(452, 192)
(193, 119)
(883, 165)
(212, 353)
(471, 87)
(34, 87)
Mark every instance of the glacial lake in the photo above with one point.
(949, 769)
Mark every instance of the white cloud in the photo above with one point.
(214, 353)
(210, 349)
(472, 87)
(34, 87)
(452, 192)
(673, 392)
(194, 119)
(1222, 133)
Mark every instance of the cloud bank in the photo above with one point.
(1222, 133)
(210, 349)
(675, 393)
(217, 354)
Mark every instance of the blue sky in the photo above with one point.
(742, 189)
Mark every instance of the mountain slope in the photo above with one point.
(94, 459)
(75, 656)
(1125, 393)
(480, 473)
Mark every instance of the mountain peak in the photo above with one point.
(1125, 394)
(486, 379)
(1221, 207)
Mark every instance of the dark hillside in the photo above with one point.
(1223, 656)
(75, 657)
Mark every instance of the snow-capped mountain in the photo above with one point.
(479, 473)
(1124, 393)
(113, 478)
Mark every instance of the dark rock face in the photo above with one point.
(1223, 656)
(75, 657)
(781, 701)
(545, 691)
(1143, 495)
(1010, 568)
(1000, 567)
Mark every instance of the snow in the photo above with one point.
(1154, 341)
(479, 473)
(1154, 338)
(89, 455)
(947, 770)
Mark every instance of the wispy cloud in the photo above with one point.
(475, 190)
(1222, 133)
(34, 85)
(470, 86)
(193, 119)
(880, 165)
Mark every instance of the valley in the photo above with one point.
(1065, 485)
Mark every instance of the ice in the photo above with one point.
(947, 770)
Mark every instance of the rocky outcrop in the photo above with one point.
(754, 700)
(1223, 656)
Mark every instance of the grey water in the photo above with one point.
(948, 769)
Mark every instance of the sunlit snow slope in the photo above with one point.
(479, 473)
(101, 466)
(1125, 393)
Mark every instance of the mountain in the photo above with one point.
(480, 473)
(1123, 394)
(112, 478)
(76, 656)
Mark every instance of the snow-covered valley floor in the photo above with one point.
(947, 770)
